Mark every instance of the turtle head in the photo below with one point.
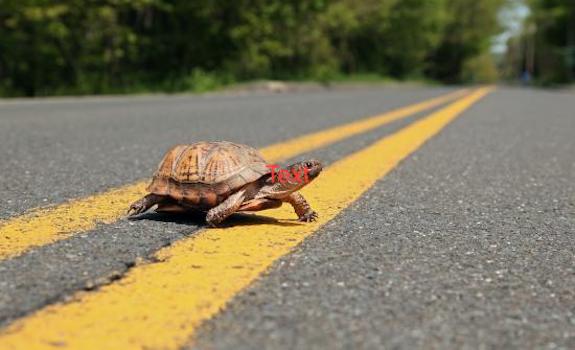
(308, 169)
(292, 178)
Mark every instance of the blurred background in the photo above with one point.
(50, 47)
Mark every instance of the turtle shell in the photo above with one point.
(203, 174)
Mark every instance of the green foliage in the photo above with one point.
(201, 81)
(480, 70)
(52, 47)
(414, 28)
(470, 26)
(553, 38)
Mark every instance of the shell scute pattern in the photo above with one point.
(207, 172)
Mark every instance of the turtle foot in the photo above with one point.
(308, 217)
(145, 203)
(212, 219)
(136, 208)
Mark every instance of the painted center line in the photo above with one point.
(159, 305)
(47, 225)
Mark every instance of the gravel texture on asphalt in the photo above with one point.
(54, 150)
(468, 244)
(96, 257)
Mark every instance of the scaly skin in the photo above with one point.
(301, 207)
(226, 208)
(145, 203)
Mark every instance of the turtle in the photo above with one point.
(221, 178)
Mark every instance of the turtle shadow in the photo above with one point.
(241, 219)
(189, 219)
(199, 219)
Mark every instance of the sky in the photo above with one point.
(511, 17)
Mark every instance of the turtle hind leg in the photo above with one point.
(226, 208)
(145, 203)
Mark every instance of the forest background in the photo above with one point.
(51, 47)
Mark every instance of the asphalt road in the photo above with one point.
(469, 243)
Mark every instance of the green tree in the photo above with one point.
(414, 29)
(80, 46)
(553, 36)
(470, 26)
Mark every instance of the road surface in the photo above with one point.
(447, 224)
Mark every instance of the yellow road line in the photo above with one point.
(47, 225)
(159, 305)
(329, 136)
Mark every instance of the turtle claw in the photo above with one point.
(136, 208)
(308, 217)
(213, 223)
(133, 211)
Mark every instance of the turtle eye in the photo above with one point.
(308, 164)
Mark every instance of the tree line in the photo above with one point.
(50, 47)
(544, 51)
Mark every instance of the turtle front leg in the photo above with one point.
(226, 208)
(301, 207)
(144, 204)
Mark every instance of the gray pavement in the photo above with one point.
(143, 129)
(469, 243)
(57, 149)
(99, 256)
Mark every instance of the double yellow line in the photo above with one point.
(42, 226)
(159, 305)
